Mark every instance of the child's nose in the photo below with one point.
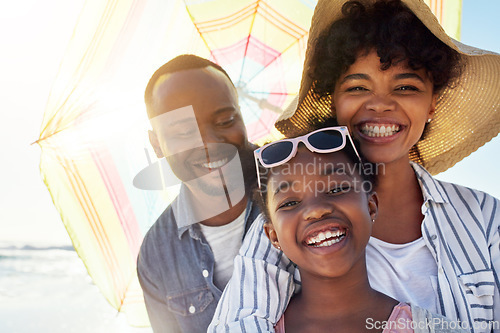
(317, 209)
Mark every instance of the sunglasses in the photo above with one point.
(325, 140)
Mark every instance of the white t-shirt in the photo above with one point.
(225, 241)
(389, 266)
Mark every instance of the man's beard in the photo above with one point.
(233, 179)
(248, 166)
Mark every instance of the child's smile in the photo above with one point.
(326, 237)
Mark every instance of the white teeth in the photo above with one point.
(379, 131)
(215, 164)
(330, 242)
(331, 236)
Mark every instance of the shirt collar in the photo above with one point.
(181, 207)
(431, 188)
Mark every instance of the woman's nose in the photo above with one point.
(380, 103)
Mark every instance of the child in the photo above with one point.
(320, 209)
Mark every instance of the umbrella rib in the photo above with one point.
(84, 63)
(248, 40)
(199, 32)
(54, 116)
(273, 60)
(298, 32)
(47, 136)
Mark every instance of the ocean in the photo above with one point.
(47, 289)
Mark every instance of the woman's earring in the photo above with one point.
(373, 220)
(429, 120)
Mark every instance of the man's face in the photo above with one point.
(199, 128)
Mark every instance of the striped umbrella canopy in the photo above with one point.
(261, 44)
(93, 136)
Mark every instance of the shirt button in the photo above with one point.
(427, 204)
(205, 273)
(441, 270)
(433, 237)
(192, 309)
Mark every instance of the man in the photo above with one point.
(187, 256)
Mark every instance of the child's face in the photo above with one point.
(320, 216)
(396, 103)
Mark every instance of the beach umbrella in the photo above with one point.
(93, 136)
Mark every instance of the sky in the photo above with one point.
(34, 35)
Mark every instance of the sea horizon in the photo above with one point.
(45, 287)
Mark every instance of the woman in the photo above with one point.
(378, 69)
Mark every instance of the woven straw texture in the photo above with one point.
(467, 115)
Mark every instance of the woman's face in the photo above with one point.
(385, 110)
(321, 216)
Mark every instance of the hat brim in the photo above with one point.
(467, 115)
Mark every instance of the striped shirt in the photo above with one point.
(461, 229)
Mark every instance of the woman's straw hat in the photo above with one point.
(467, 116)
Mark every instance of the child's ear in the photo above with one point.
(153, 139)
(373, 205)
(271, 234)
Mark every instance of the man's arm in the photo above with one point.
(260, 288)
(162, 320)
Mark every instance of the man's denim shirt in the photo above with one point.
(175, 268)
